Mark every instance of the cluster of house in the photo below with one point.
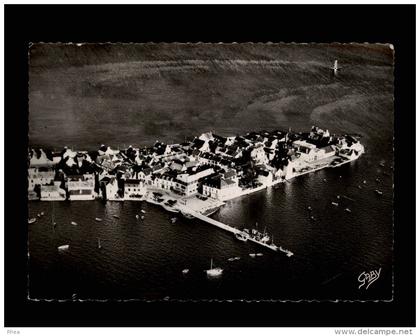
(210, 165)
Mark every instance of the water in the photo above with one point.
(145, 259)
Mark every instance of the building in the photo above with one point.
(258, 154)
(40, 176)
(81, 187)
(324, 152)
(187, 183)
(38, 158)
(306, 150)
(265, 177)
(110, 190)
(52, 193)
(165, 181)
(134, 189)
(220, 188)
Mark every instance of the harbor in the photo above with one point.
(235, 231)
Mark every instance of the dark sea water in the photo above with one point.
(144, 260)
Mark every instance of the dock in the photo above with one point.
(233, 230)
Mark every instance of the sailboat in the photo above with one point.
(335, 67)
(214, 272)
(54, 224)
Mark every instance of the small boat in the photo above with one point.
(99, 244)
(173, 219)
(252, 255)
(378, 180)
(334, 203)
(325, 180)
(259, 254)
(185, 271)
(39, 215)
(312, 218)
(338, 196)
(142, 211)
(382, 164)
(359, 187)
(63, 248)
(141, 217)
(309, 208)
(54, 225)
(378, 192)
(137, 216)
(214, 272)
(116, 216)
(241, 236)
(265, 239)
(73, 223)
(347, 209)
(364, 181)
(42, 213)
(98, 219)
(31, 220)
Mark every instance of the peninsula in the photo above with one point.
(194, 177)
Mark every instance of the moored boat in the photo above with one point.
(241, 236)
(63, 248)
(31, 220)
(214, 272)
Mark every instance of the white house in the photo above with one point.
(81, 187)
(258, 154)
(306, 150)
(324, 152)
(265, 177)
(52, 193)
(39, 176)
(110, 188)
(187, 183)
(134, 189)
(221, 188)
(41, 161)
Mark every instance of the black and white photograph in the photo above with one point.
(209, 166)
(181, 171)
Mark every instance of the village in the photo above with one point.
(210, 167)
(193, 178)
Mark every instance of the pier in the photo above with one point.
(233, 230)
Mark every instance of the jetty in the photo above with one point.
(233, 230)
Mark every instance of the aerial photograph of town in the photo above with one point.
(240, 171)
